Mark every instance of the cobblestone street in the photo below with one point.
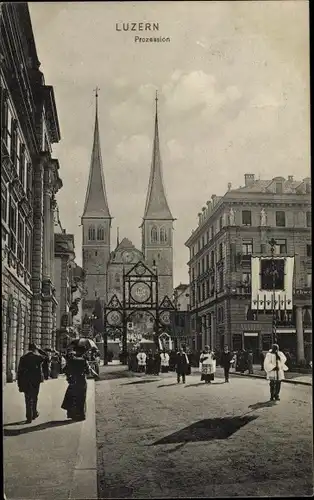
(156, 438)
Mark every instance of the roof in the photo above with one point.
(269, 186)
(96, 203)
(156, 202)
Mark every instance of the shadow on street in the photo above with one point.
(262, 404)
(167, 385)
(144, 381)
(206, 430)
(39, 427)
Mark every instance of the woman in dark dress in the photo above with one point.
(76, 369)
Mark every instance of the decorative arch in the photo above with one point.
(100, 233)
(163, 235)
(154, 234)
(91, 233)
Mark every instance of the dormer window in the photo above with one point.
(278, 187)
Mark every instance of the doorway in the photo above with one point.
(251, 342)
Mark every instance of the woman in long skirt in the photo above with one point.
(208, 365)
(76, 369)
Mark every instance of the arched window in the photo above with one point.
(91, 233)
(100, 233)
(154, 234)
(163, 235)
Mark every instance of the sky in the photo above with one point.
(233, 87)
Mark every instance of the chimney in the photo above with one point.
(290, 178)
(229, 186)
(249, 179)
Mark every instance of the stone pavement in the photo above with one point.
(159, 439)
(52, 458)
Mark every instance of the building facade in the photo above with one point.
(29, 182)
(231, 230)
(103, 267)
(180, 320)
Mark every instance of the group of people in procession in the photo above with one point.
(78, 362)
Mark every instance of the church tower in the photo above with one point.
(157, 225)
(96, 225)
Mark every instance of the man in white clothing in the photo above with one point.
(164, 361)
(274, 366)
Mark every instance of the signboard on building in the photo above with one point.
(272, 283)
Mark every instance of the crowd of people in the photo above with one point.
(78, 362)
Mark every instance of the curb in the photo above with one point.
(84, 480)
(287, 381)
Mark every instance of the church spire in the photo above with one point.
(96, 204)
(156, 202)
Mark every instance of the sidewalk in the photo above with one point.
(290, 377)
(52, 458)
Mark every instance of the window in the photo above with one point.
(203, 264)
(28, 252)
(212, 258)
(207, 261)
(193, 274)
(203, 291)
(198, 293)
(198, 245)
(246, 279)
(281, 247)
(309, 280)
(4, 115)
(4, 202)
(308, 219)
(278, 187)
(29, 180)
(221, 281)
(91, 233)
(221, 222)
(207, 289)
(220, 255)
(12, 225)
(247, 247)
(203, 241)
(246, 217)
(21, 242)
(198, 269)
(220, 314)
(309, 250)
(211, 232)
(22, 164)
(163, 235)
(212, 285)
(280, 219)
(14, 140)
(100, 233)
(207, 236)
(154, 234)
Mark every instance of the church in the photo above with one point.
(104, 265)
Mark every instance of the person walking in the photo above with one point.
(262, 357)
(225, 361)
(275, 367)
(55, 365)
(208, 365)
(150, 363)
(29, 377)
(250, 361)
(141, 361)
(164, 361)
(182, 364)
(76, 369)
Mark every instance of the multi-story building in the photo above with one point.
(231, 230)
(64, 259)
(180, 318)
(29, 182)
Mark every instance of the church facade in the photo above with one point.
(104, 266)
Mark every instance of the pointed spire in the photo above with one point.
(156, 202)
(96, 203)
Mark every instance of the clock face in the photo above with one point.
(165, 317)
(127, 257)
(114, 318)
(140, 292)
